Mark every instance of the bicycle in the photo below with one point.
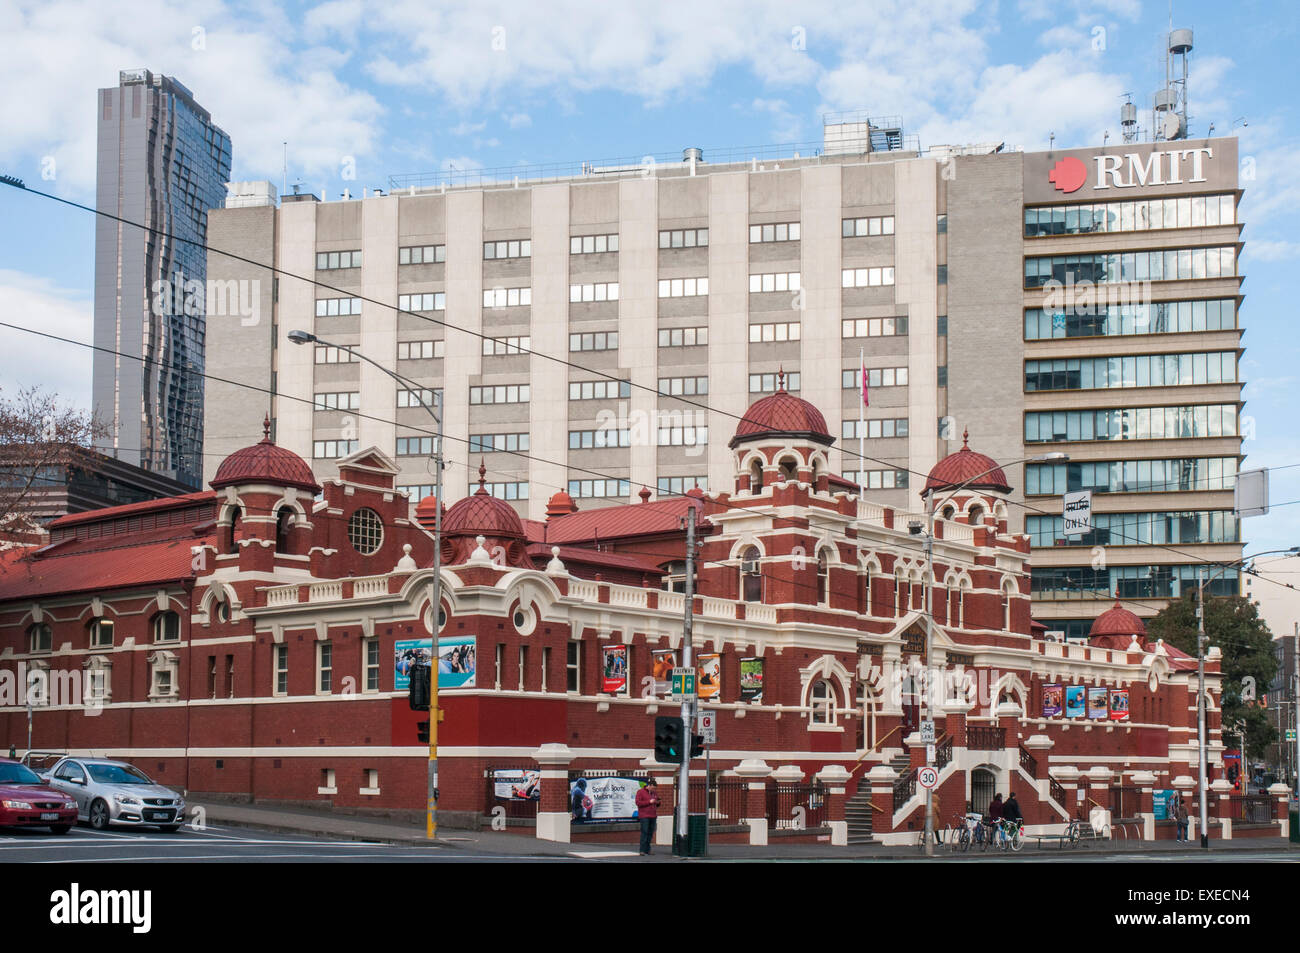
(1010, 834)
(970, 830)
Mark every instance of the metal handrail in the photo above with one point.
(875, 746)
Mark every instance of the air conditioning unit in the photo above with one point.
(749, 566)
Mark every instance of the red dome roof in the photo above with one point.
(965, 465)
(783, 414)
(482, 515)
(426, 511)
(1118, 621)
(264, 462)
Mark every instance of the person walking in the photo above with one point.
(936, 816)
(1180, 815)
(647, 811)
(993, 823)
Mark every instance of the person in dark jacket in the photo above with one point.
(647, 811)
(1180, 815)
(1011, 809)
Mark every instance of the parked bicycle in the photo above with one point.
(1010, 834)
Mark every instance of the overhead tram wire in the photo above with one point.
(18, 184)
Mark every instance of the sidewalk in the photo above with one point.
(338, 826)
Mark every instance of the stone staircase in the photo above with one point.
(857, 810)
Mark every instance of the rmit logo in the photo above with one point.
(1068, 174)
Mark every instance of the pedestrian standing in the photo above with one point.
(936, 816)
(1180, 815)
(647, 811)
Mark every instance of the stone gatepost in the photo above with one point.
(955, 712)
(1146, 782)
(1221, 796)
(756, 774)
(882, 778)
(1038, 746)
(835, 777)
(553, 807)
(1098, 792)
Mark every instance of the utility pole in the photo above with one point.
(1200, 699)
(1295, 700)
(688, 702)
(927, 696)
(431, 818)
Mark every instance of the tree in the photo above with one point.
(40, 439)
(1233, 624)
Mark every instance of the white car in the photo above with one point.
(114, 792)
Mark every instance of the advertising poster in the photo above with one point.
(1119, 704)
(662, 663)
(1163, 804)
(1075, 701)
(751, 680)
(1097, 703)
(1053, 699)
(614, 671)
(457, 661)
(603, 800)
(517, 784)
(710, 677)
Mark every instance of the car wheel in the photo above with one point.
(169, 828)
(99, 815)
(60, 828)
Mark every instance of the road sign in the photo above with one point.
(927, 777)
(706, 724)
(929, 754)
(1290, 734)
(1077, 510)
(927, 732)
(683, 683)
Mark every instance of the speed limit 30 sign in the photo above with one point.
(927, 777)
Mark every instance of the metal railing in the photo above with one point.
(1057, 792)
(1125, 801)
(796, 806)
(1252, 808)
(1028, 762)
(982, 738)
(904, 788)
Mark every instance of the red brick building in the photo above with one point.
(243, 641)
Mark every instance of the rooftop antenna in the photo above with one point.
(1128, 119)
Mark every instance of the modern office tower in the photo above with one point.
(695, 283)
(162, 164)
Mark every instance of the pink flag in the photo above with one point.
(866, 398)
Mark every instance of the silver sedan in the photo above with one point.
(114, 792)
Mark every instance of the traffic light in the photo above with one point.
(669, 739)
(697, 746)
(419, 688)
(422, 731)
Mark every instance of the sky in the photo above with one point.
(360, 92)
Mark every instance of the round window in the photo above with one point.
(365, 531)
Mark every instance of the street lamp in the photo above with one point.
(435, 597)
(1054, 457)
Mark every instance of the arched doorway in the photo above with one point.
(983, 785)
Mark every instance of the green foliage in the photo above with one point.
(1233, 624)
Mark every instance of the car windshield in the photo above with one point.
(13, 773)
(117, 774)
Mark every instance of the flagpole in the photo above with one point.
(862, 428)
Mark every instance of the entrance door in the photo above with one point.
(983, 785)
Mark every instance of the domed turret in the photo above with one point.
(956, 469)
(782, 415)
(264, 462)
(1118, 621)
(482, 514)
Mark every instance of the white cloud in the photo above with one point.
(517, 120)
(27, 359)
(467, 128)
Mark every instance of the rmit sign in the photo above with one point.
(1128, 171)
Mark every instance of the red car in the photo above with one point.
(25, 801)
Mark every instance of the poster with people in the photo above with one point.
(709, 681)
(662, 663)
(1075, 701)
(1163, 804)
(751, 680)
(517, 784)
(603, 800)
(1119, 704)
(614, 671)
(1053, 698)
(1097, 703)
(457, 661)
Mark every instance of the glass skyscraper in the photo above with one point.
(162, 165)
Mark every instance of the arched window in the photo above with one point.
(823, 578)
(976, 515)
(283, 523)
(40, 637)
(918, 593)
(751, 577)
(756, 476)
(789, 469)
(947, 513)
(962, 592)
(232, 541)
(1007, 592)
(822, 700)
(166, 627)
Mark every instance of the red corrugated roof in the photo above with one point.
(594, 557)
(610, 522)
(1117, 621)
(91, 565)
(782, 413)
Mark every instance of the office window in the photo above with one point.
(280, 664)
(779, 281)
(867, 277)
(594, 341)
(863, 227)
(579, 489)
(498, 442)
(166, 627)
(496, 347)
(683, 386)
(879, 479)
(941, 224)
(876, 429)
(876, 377)
(599, 291)
(420, 350)
(1138, 529)
(678, 485)
(775, 332)
(599, 439)
(683, 436)
(872, 327)
(766, 383)
(342, 400)
(1143, 370)
(101, 634)
(507, 297)
(334, 355)
(684, 238)
(599, 390)
(331, 307)
(1132, 423)
(683, 287)
(1170, 264)
(941, 274)
(421, 254)
(521, 248)
(416, 446)
(417, 398)
(327, 261)
(941, 375)
(593, 244)
(499, 394)
(429, 301)
(776, 232)
(1163, 317)
(508, 490)
(1196, 211)
(573, 666)
(1132, 476)
(333, 449)
(683, 337)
